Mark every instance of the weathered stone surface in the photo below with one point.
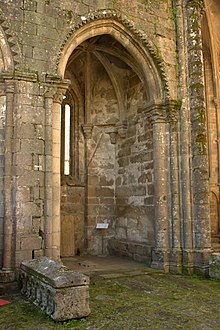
(60, 292)
(214, 265)
(141, 151)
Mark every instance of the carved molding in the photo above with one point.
(156, 113)
(112, 134)
(173, 109)
(11, 39)
(87, 130)
(59, 94)
(128, 24)
(163, 112)
(9, 86)
(122, 128)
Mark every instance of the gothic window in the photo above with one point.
(69, 138)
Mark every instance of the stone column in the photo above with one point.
(199, 140)
(184, 140)
(56, 136)
(174, 204)
(157, 115)
(8, 254)
(217, 107)
(48, 210)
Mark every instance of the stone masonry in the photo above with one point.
(60, 292)
(109, 114)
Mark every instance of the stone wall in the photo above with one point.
(29, 168)
(140, 131)
(135, 182)
(2, 161)
(42, 26)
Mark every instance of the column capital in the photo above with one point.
(87, 130)
(55, 88)
(163, 112)
(9, 86)
(156, 113)
(59, 94)
(173, 108)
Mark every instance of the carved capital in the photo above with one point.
(9, 86)
(173, 108)
(156, 113)
(47, 91)
(122, 128)
(87, 130)
(112, 134)
(58, 96)
(2, 89)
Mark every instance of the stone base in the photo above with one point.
(201, 261)
(188, 262)
(135, 250)
(214, 266)
(8, 282)
(176, 261)
(160, 259)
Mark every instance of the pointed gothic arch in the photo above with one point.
(146, 67)
(123, 30)
(7, 58)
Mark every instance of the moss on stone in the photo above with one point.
(145, 300)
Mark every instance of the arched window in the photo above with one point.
(69, 138)
(65, 124)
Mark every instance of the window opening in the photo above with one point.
(67, 141)
(69, 121)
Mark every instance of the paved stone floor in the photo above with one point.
(127, 295)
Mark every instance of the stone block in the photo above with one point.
(214, 265)
(31, 242)
(62, 293)
(30, 5)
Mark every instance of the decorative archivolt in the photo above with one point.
(107, 18)
(8, 45)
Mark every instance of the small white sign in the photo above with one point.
(102, 225)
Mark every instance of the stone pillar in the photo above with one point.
(174, 204)
(157, 115)
(8, 253)
(199, 140)
(56, 136)
(217, 107)
(48, 210)
(184, 140)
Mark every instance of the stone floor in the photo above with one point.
(127, 295)
(99, 264)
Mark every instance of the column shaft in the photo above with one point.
(8, 178)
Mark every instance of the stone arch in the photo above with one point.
(8, 45)
(123, 30)
(7, 63)
(100, 137)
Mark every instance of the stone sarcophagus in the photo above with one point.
(62, 293)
